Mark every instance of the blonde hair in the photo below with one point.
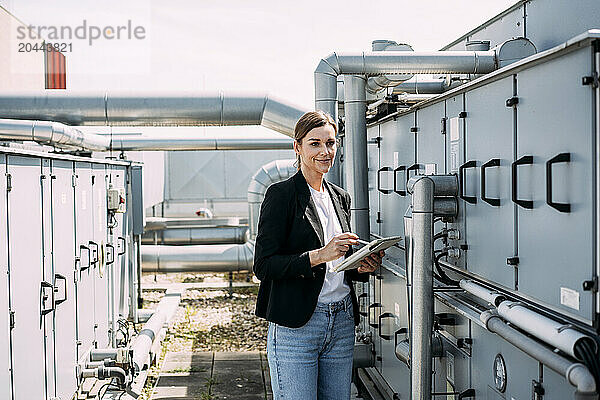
(308, 122)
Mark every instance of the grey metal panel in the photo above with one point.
(552, 22)
(25, 249)
(373, 165)
(120, 267)
(556, 386)
(394, 300)
(48, 270)
(431, 146)
(101, 311)
(84, 233)
(137, 197)
(455, 156)
(452, 370)
(509, 26)
(63, 251)
(5, 380)
(556, 246)
(397, 149)
(490, 135)
(521, 369)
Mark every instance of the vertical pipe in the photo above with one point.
(326, 100)
(355, 108)
(422, 289)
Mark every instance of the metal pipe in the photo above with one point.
(151, 109)
(198, 258)
(575, 373)
(427, 86)
(445, 207)
(103, 354)
(181, 143)
(54, 133)
(481, 292)
(444, 185)
(378, 83)
(422, 288)
(562, 336)
(270, 173)
(198, 235)
(161, 223)
(143, 342)
(355, 107)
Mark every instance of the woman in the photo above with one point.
(304, 232)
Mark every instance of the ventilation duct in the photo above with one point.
(268, 174)
(48, 113)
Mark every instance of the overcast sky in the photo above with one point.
(240, 45)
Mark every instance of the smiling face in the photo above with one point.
(317, 149)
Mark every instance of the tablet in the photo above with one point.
(353, 262)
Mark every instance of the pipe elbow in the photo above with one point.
(579, 376)
(329, 65)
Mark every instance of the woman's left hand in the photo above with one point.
(371, 263)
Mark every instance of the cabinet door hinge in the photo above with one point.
(590, 80)
(73, 180)
(11, 317)
(8, 182)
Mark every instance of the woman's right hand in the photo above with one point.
(337, 247)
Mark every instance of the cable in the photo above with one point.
(442, 274)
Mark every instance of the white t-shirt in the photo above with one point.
(334, 288)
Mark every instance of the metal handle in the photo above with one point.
(59, 277)
(401, 331)
(494, 162)
(44, 297)
(111, 259)
(380, 325)
(362, 296)
(120, 240)
(414, 167)
(95, 252)
(379, 171)
(461, 181)
(525, 160)
(560, 158)
(400, 192)
(374, 305)
(84, 247)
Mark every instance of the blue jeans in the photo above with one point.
(315, 360)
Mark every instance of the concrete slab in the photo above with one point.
(232, 355)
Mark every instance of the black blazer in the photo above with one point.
(288, 228)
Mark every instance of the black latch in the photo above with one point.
(443, 125)
(378, 358)
(462, 114)
(379, 220)
(414, 129)
(537, 390)
(467, 394)
(512, 261)
(590, 80)
(378, 141)
(464, 247)
(591, 285)
(12, 319)
(463, 342)
(513, 101)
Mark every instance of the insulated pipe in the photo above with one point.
(433, 86)
(378, 83)
(151, 109)
(144, 340)
(575, 373)
(198, 235)
(355, 107)
(562, 336)
(422, 288)
(198, 258)
(270, 173)
(52, 133)
(136, 143)
(160, 223)
(481, 292)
